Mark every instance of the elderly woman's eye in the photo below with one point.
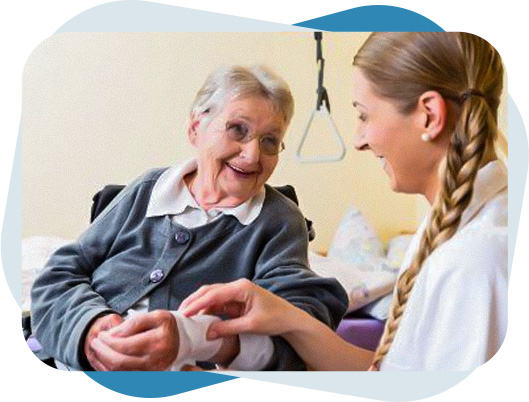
(270, 141)
(237, 131)
(270, 145)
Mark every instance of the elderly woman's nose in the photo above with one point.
(251, 150)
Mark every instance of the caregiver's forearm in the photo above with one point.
(322, 349)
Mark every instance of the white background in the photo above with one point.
(24, 24)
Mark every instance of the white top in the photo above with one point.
(456, 317)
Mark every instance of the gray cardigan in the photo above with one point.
(124, 256)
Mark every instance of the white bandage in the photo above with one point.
(193, 345)
(256, 351)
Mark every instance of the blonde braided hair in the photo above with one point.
(466, 70)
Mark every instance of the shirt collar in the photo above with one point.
(170, 196)
(490, 180)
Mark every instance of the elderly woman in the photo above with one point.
(109, 300)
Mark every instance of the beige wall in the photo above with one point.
(102, 108)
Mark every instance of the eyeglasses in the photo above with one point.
(268, 143)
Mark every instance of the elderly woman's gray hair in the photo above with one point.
(235, 82)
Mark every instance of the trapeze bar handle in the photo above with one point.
(324, 112)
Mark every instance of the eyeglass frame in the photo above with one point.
(249, 137)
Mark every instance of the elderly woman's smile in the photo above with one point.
(241, 171)
(237, 150)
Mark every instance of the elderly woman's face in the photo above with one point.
(237, 170)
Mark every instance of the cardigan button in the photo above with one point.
(182, 237)
(156, 276)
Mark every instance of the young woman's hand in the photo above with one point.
(253, 309)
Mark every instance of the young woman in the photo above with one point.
(427, 106)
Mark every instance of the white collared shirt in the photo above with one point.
(170, 196)
(456, 316)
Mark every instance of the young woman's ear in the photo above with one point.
(432, 113)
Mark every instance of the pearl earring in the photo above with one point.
(426, 137)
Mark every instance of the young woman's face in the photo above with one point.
(393, 137)
(237, 170)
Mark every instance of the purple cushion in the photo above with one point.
(33, 344)
(361, 332)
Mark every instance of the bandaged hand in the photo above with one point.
(156, 341)
(253, 309)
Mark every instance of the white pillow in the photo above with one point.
(356, 258)
(397, 248)
(355, 240)
(364, 281)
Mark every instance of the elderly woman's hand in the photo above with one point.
(254, 310)
(101, 324)
(144, 342)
